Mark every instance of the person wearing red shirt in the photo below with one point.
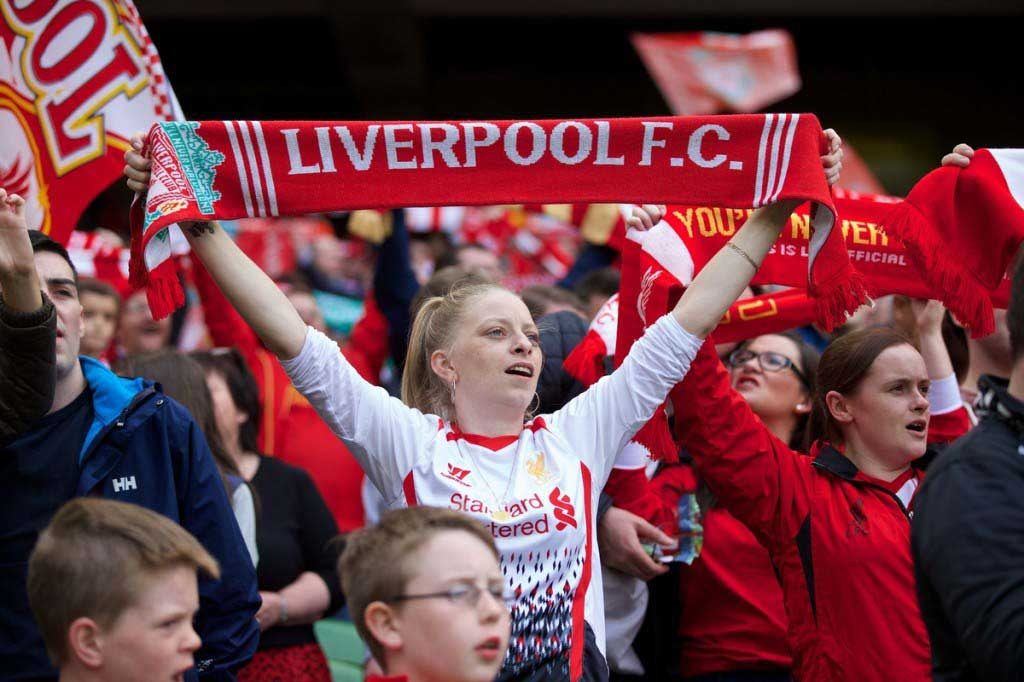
(733, 619)
(836, 523)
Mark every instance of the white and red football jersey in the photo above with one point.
(537, 491)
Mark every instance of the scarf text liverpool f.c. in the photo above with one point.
(235, 169)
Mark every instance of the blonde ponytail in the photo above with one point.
(434, 329)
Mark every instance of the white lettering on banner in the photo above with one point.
(323, 139)
(650, 142)
(124, 483)
(558, 142)
(693, 150)
(512, 136)
(359, 162)
(295, 165)
(491, 135)
(75, 85)
(393, 144)
(408, 146)
(603, 130)
(444, 146)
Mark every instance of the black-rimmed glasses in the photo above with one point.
(769, 361)
(466, 595)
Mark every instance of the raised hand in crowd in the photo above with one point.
(18, 275)
(28, 327)
(960, 156)
(256, 297)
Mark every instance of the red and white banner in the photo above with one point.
(77, 79)
(709, 73)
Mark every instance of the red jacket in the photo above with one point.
(840, 545)
(733, 617)
(290, 428)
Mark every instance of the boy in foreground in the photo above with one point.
(427, 596)
(113, 587)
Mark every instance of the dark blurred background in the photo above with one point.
(903, 80)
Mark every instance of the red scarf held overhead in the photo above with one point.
(963, 228)
(234, 169)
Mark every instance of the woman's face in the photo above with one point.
(229, 418)
(889, 410)
(496, 354)
(772, 395)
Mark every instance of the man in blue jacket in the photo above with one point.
(125, 440)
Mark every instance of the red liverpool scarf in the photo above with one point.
(234, 169)
(962, 229)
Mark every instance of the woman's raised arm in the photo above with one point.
(725, 276)
(253, 294)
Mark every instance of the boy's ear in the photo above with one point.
(385, 625)
(85, 643)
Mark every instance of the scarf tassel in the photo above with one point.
(965, 297)
(839, 297)
(586, 361)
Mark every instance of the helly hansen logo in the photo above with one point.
(457, 474)
(124, 483)
(564, 512)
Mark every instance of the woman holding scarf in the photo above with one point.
(836, 524)
(462, 437)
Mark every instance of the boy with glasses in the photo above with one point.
(426, 593)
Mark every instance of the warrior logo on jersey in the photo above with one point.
(457, 474)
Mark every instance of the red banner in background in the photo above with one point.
(77, 79)
(709, 73)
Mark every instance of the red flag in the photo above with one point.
(708, 73)
(77, 79)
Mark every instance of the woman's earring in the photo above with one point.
(453, 393)
(531, 410)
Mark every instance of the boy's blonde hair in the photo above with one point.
(94, 559)
(376, 564)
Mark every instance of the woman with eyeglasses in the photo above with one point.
(732, 622)
(835, 522)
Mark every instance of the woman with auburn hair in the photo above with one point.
(836, 524)
(461, 437)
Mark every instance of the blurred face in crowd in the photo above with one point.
(101, 314)
(450, 639)
(153, 639)
(887, 414)
(309, 310)
(138, 332)
(226, 413)
(496, 352)
(772, 395)
(482, 262)
(59, 281)
(996, 346)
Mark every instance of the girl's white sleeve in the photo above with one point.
(600, 421)
(385, 436)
